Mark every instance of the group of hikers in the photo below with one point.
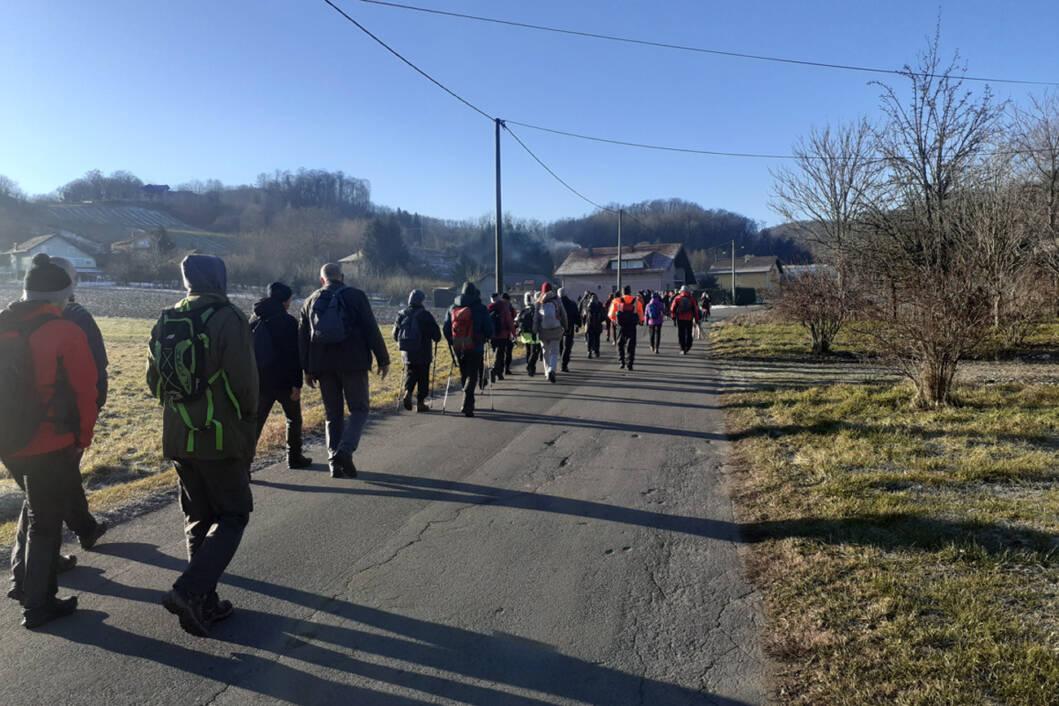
(217, 374)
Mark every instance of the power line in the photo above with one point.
(702, 50)
(418, 70)
(641, 145)
(550, 171)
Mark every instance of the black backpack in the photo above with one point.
(497, 319)
(329, 317)
(409, 335)
(21, 409)
(179, 352)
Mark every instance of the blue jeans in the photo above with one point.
(341, 390)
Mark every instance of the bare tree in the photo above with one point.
(1035, 138)
(920, 249)
(824, 194)
(818, 302)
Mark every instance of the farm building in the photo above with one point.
(654, 266)
(80, 251)
(761, 273)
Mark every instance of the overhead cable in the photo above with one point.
(550, 171)
(702, 50)
(418, 70)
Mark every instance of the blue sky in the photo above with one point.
(203, 89)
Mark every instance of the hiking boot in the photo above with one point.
(66, 562)
(551, 376)
(407, 402)
(56, 608)
(421, 407)
(468, 412)
(215, 610)
(90, 539)
(622, 365)
(507, 371)
(629, 366)
(190, 609)
(564, 369)
(15, 593)
(492, 376)
(298, 461)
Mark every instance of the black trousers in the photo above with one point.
(291, 410)
(501, 355)
(533, 354)
(216, 501)
(566, 346)
(471, 367)
(48, 482)
(417, 375)
(656, 335)
(592, 340)
(685, 334)
(510, 354)
(626, 345)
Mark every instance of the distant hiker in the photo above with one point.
(80, 521)
(685, 311)
(201, 367)
(626, 312)
(573, 318)
(337, 337)
(593, 317)
(416, 332)
(48, 404)
(704, 304)
(503, 331)
(656, 316)
(607, 322)
(467, 327)
(526, 334)
(550, 324)
(279, 367)
(511, 339)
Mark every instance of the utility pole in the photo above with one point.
(499, 218)
(733, 272)
(619, 250)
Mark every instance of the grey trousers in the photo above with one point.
(339, 391)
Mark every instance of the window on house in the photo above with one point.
(626, 264)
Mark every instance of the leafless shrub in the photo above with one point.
(816, 300)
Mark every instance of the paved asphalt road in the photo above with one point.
(574, 546)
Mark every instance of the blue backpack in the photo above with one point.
(654, 309)
(329, 317)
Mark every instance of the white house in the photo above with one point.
(654, 266)
(73, 248)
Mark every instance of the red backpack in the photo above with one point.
(463, 329)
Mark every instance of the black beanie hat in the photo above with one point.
(279, 291)
(45, 276)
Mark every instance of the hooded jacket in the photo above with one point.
(285, 371)
(658, 308)
(483, 324)
(60, 351)
(552, 334)
(573, 314)
(354, 353)
(234, 394)
(79, 315)
(428, 333)
(594, 313)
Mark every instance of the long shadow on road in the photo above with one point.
(474, 658)
(430, 489)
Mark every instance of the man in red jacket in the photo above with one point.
(503, 332)
(64, 377)
(685, 310)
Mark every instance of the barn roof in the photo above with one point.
(748, 264)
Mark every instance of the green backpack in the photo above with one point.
(180, 354)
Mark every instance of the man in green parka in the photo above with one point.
(208, 432)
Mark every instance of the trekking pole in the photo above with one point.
(433, 374)
(448, 380)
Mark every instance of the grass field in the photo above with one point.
(905, 557)
(125, 464)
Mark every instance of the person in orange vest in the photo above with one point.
(626, 312)
(685, 311)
